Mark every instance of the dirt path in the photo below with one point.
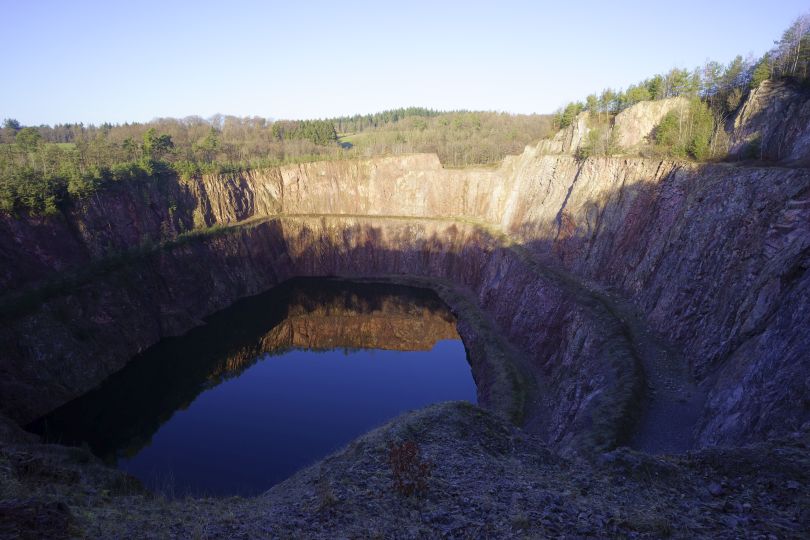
(672, 400)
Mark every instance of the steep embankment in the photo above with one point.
(166, 292)
(714, 258)
(129, 215)
(774, 124)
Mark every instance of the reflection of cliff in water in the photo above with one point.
(119, 417)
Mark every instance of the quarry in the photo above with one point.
(636, 328)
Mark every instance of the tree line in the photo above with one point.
(459, 138)
(44, 166)
(361, 122)
(714, 91)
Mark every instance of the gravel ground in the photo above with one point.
(487, 480)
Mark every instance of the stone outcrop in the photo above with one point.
(635, 125)
(569, 139)
(714, 256)
(773, 124)
(632, 128)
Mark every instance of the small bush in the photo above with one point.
(688, 132)
(410, 473)
(753, 149)
(600, 141)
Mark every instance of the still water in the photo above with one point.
(270, 385)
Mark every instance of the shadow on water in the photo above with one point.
(269, 385)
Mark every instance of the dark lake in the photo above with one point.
(270, 385)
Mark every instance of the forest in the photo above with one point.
(43, 167)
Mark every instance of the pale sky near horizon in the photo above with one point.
(97, 61)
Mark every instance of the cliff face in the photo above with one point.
(713, 257)
(635, 125)
(773, 124)
(414, 185)
(716, 258)
(72, 342)
(567, 140)
(631, 128)
(114, 220)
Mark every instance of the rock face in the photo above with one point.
(34, 248)
(567, 140)
(631, 127)
(715, 258)
(69, 348)
(773, 124)
(634, 125)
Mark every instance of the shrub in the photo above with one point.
(410, 473)
(753, 149)
(601, 141)
(687, 132)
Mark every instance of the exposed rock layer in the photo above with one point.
(773, 124)
(635, 125)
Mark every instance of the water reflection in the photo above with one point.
(269, 385)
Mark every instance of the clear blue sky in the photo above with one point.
(96, 61)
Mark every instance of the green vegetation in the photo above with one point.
(320, 132)
(43, 167)
(715, 92)
(567, 115)
(459, 138)
(689, 132)
(601, 139)
(361, 122)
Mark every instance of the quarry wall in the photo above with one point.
(713, 257)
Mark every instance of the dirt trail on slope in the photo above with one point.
(672, 400)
